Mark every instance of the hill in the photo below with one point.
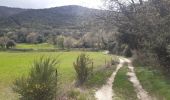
(57, 18)
(7, 11)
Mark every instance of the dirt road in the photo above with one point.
(107, 93)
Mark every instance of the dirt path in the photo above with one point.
(106, 92)
(141, 93)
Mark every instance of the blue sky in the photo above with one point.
(36, 4)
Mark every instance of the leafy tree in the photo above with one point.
(69, 42)
(143, 27)
(32, 38)
(41, 83)
(3, 41)
(21, 37)
(60, 42)
(10, 44)
(40, 39)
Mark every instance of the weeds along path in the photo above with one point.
(106, 92)
(141, 93)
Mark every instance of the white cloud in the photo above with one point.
(50, 3)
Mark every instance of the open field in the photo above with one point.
(35, 46)
(13, 65)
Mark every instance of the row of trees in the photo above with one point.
(87, 40)
(6, 43)
(22, 37)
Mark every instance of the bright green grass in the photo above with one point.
(99, 77)
(122, 87)
(35, 46)
(13, 65)
(154, 82)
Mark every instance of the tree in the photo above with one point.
(32, 38)
(10, 44)
(3, 41)
(144, 27)
(41, 83)
(21, 37)
(69, 42)
(40, 38)
(60, 42)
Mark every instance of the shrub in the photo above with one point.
(41, 83)
(83, 67)
(10, 44)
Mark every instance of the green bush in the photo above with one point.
(83, 67)
(41, 83)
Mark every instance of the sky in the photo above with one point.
(37, 4)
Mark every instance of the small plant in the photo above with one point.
(83, 67)
(41, 83)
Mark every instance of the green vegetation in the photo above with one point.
(99, 77)
(154, 82)
(139, 29)
(123, 88)
(6, 43)
(45, 21)
(41, 83)
(83, 67)
(94, 81)
(13, 65)
(34, 46)
(75, 94)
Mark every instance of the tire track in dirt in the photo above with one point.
(141, 93)
(106, 92)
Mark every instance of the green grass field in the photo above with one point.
(35, 46)
(14, 65)
(154, 82)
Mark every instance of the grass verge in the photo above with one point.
(97, 80)
(99, 77)
(122, 87)
(154, 82)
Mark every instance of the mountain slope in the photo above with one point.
(66, 17)
(7, 11)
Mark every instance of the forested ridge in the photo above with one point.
(51, 19)
(45, 25)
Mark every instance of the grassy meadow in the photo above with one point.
(35, 46)
(16, 64)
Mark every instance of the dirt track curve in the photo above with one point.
(107, 93)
